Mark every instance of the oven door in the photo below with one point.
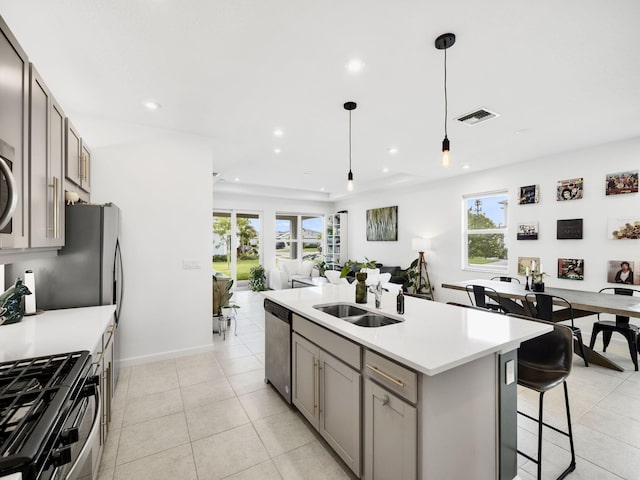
(85, 420)
(8, 188)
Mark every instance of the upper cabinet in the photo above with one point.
(46, 154)
(78, 162)
(14, 118)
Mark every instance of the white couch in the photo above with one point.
(288, 270)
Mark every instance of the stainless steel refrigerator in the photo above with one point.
(88, 270)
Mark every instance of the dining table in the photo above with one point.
(584, 303)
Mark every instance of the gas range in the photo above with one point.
(48, 417)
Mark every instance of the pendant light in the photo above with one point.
(350, 106)
(443, 42)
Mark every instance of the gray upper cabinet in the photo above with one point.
(78, 160)
(46, 153)
(14, 124)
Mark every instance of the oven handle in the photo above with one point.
(12, 194)
(95, 430)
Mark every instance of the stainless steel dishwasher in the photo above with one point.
(277, 339)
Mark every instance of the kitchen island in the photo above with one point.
(458, 415)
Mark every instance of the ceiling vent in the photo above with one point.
(479, 116)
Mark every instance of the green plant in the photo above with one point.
(257, 279)
(349, 264)
(225, 296)
(411, 278)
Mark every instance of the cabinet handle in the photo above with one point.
(315, 389)
(56, 206)
(385, 400)
(384, 375)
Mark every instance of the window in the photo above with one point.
(298, 236)
(485, 232)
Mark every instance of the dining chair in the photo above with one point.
(545, 362)
(484, 297)
(506, 279)
(472, 307)
(621, 326)
(540, 306)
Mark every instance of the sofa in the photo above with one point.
(288, 270)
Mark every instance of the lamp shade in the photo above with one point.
(420, 244)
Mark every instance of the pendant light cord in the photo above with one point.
(445, 93)
(349, 140)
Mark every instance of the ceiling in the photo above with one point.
(562, 75)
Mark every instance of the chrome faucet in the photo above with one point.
(378, 293)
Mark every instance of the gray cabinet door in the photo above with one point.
(14, 118)
(85, 168)
(340, 409)
(46, 152)
(305, 378)
(74, 151)
(390, 435)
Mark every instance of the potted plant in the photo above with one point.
(537, 281)
(257, 279)
(349, 264)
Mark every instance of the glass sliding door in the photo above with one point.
(236, 243)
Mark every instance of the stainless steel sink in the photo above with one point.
(356, 315)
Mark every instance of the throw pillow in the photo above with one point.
(305, 268)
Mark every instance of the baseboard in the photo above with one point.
(141, 360)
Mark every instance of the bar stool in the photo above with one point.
(621, 326)
(540, 305)
(544, 363)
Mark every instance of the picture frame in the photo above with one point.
(529, 194)
(621, 182)
(626, 228)
(527, 231)
(569, 229)
(616, 272)
(524, 262)
(571, 189)
(571, 268)
(382, 224)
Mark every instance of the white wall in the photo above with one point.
(435, 210)
(162, 183)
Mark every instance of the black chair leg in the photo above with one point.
(633, 350)
(606, 338)
(540, 425)
(572, 465)
(594, 335)
(583, 354)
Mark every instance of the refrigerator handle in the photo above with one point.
(118, 281)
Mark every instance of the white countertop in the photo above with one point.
(55, 331)
(433, 338)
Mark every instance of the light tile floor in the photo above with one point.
(211, 416)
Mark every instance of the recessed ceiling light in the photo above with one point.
(385, 169)
(151, 105)
(237, 179)
(466, 167)
(322, 189)
(276, 150)
(278, 133)
(392, 150)
(355, 65)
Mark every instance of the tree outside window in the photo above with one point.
(485, 233)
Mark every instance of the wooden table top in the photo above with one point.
(581, 300)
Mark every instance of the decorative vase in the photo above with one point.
(537, 287)
(361, 287)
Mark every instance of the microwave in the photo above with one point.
(8, 188)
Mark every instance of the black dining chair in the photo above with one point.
(484, 297)
(621, 326)
(540, 305)
(506, 279)
(545, 362)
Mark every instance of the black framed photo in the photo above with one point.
(569, 229)
(571, 268)
(529, 194)
(527, 231)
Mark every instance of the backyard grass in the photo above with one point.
(482, 260)
(243, 268)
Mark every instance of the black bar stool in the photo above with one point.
(621, 326)
(544, 363)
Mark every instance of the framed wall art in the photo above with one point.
(569, 229)
(570, 189)
(527, 231)
(624, 228)
(529, 194)
(622, 182)
(382, 224)
(624, 272)
(571, 268)
(524, 262)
